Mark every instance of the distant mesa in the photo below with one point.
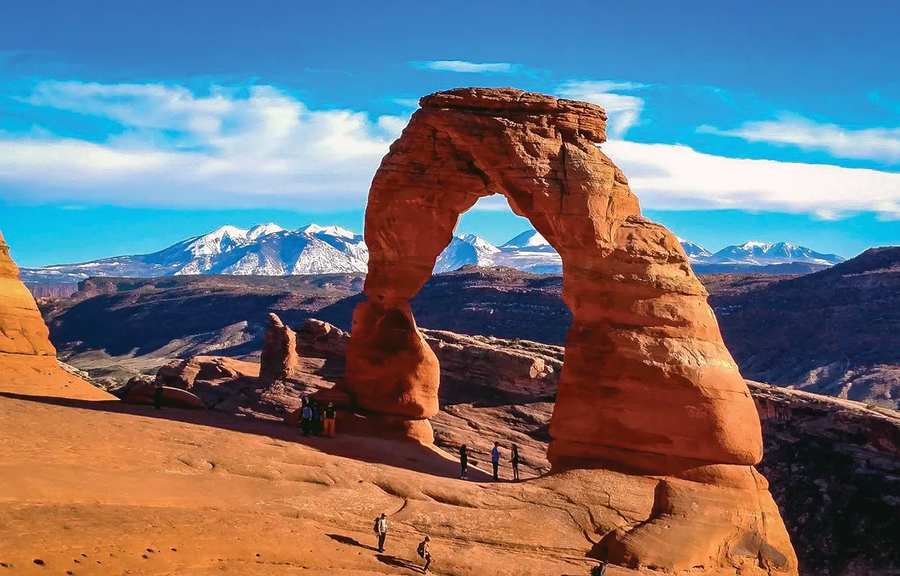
(270, 250)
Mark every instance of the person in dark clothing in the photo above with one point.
(463, 462)
(381, 528)
(495, 460)
(424, 551)
(158, 396)
(600, 569)
(329, 420)
(515, 461)
(316, 418)
(306, 419)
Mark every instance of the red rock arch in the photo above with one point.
(648, 384)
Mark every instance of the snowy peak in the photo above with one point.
(529, 240)
(261, 230)
(766, 253)
(337, 231)
(695, 252)
(463, 250)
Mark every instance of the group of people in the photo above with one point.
(315, 419)
(423, 549)
(495, 461)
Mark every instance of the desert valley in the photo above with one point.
(676, 411)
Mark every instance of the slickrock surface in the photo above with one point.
(648, 386)
(27, 358)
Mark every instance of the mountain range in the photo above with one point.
(270, 250)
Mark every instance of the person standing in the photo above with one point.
(316, 418)
(515, 461)
(495, 460)
(329, 420)
(306, 419)
(381, 529)
(158, 396)
(463, 462)
(424, 551)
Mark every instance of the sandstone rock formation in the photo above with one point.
(648, 386)
(279, 354)
(27, 358)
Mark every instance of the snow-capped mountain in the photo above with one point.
(270, 250)
(463, 250)
(695, 252)
(263, 250)
(767, 253)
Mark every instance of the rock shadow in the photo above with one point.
(414, 456)
(351, 541)
(395, 562)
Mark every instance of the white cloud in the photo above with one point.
(261, 147)
(230, 147)
(675, 177)
(879, 144)
(470, 67)
(624, 110)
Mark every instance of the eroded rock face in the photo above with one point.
(279, 354)
(22, 330)
(648, 386)
(27, 358)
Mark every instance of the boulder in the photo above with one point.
(279, 354)
(648, 386)
(142, 391)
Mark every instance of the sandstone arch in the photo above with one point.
(648, 386)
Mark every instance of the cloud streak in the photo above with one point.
(464, 67)
(624, 110)
(262, 147)
(230, 147)
(879, 144)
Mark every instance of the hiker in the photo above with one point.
(495, 460)
(158, 396)
(463, 463)
(600, 569)
(316, 418)
(305, 419)
(381, 528)
(515, 461)
(424, 552)
(329, 420)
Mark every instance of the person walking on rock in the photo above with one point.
(463, 463)
(424, 551)
(329, 420)
(515, 461)
(495, 460)
(381, 529)
(158, 396)
(306, 419)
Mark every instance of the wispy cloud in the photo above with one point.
(259, 146)
(675, 177)
(624, 109)
(231, 147)
(878, 144)
(470, 67)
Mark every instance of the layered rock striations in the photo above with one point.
(27, 358)
(648, 386)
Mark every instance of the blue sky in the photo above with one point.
(127, 126)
